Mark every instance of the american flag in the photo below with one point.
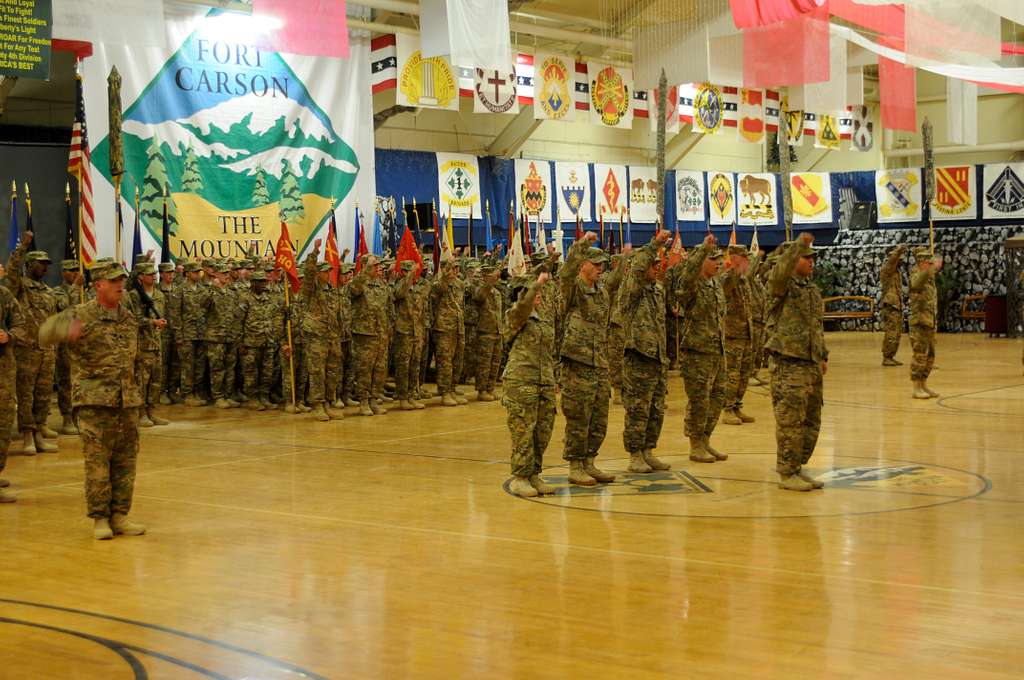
(80, 165)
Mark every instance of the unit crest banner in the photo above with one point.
(955, 194)
(708, 109)
(572, 180)
(690, 195)
(534, 195)
(458, 184)
(643, 194)
(721, 197)
(863, 137)
(429, 83)
(554, 81)
(812, 197)
(610, 190)
(751, 116)
(495, 91)
(898, 195)
(756, 198)
(826, 136)
(1004, 191)
(611, 95)
(671, 110)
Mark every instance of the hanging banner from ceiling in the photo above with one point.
(610, 190)
(756, 198)
(690, 195)
(611, 95)
(495, 91)
(721, 198)
(1004, 191)
(898, 195)
(643, 194)
(25, 29)
(429, 83)
(812, 197)
(554, 82)
(533, 188)
(458, 185)
(572, 180)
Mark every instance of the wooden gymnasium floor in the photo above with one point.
(387, 548)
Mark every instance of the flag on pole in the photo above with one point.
(12, 241)
(487, 222)
(119, 222)
(437, 239)
(516, 264)
(28, 212)
(70, 249)
(136, 233)
(449, 233)
(602, 232)
(469, 231)
(579, 230)
(358, 237)
(285, 258)
(165, 227)
(732, 236)
(80, 166)
(361, 248)
(542, 240)
(527, 246)
(331, 255)
(378, 241)
(408, 252)
(754, 246)
(675, 253)
(511, 226)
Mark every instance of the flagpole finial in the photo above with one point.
(67, 191)
(14, 187)
(26, 190)
(332, 202)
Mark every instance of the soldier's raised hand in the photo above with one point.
(628, 248)
(543, 278)
(590, 236)
(710, 241)
(316, 246)
(662, 236)
(806, 237)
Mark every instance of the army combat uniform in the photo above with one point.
(13, 324)
(447, 297)
(320, 332)
(189, 336)
(148, 365)
(739, 340)
(220, 307)
(488, 348)
(261, 317)
(892, 306)
(924, 306)
(68, 295)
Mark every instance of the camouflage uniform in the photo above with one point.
(296, 364)
(641, 305)
(105, 396)
(924, 306)
(796, 343)
(13, 322)
(221, 309)
(616, 335)
(470, 353)
(758, 296)
(739, 335)
(171, 368)
(584, 380)
(35, 364)
(148, 366)
(68, 295)
(320, 332)
(407, 320)
(703, 362)
(892, 304)
(447, 298)
(345, 369)
(233, 365)
(261, 317)
(488, 351)
(370, 327)
(191, 349)
(529, 383)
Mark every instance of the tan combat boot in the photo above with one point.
(460, 399)
(699, 454)
(255, 405)
(743, 416)
(540, 485)
(47, 433)
(43, 446)
(521, 486)
(713, 451)
(28, 444)
(638, 464)
(931, 393)
(193, 400)
(68, 426)
(349, 401)
(338, 404)
(729, 417)
(890, 362)
(406, 405)
(595, 472)
(579, 476)
(816, 483)
(364, 409)
(6, 497)
(378, 409)
(655, 462)
(484, 396)
(303, 408)
(101, 529)
(333, 413)
(164, 399)
(222, 403)
(449, 400)
(144, 420)
(320, 413)
(120, 524)
(290, 408)
(794, 483)
(157, 420)
(417, 404)
(919, 391)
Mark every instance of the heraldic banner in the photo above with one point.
(458, 185)
(611, 95)
(721, 198)
(533, 189)
(554, 82)
(610, 190)
(690, 195)
(241, 137)
(756, 198)
(495, 91)
(572, 184)
(812, 197)
(1004, 191)
(955, 189)
(428, 83)
(643, 194)
(898, 194)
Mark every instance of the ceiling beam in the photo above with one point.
(511, 139)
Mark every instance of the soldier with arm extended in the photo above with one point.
(406, 359)
(447, 296)
(487, 301)
(370, 298)
(319, 316)
(800, 359)
(924, 307)
(739, 334)
(616, 336)
(69, 294)
(892, 306)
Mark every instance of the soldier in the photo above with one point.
(319, 331)
(347, 385)
(583, 378)
(261, 317)
(189, 345)
(103, 337)
(171, 369)
(406, 350)
(12, 329)
(487, 300)
(703, 363)
(148, 305)
(739, 334)
(645, 360)
(447, 299)
(35, 364)
(616, 335)
(924, 306)
(757, 315)
(892, 306)
(293, 355)
(529, 385)
(370, 327)
(469, 323)
(219, 305)
(796, 342)
(69, 294)
(421, 331)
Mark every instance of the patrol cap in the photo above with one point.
(37, 256)
(145, 268)
(347, 267)
(324, 267)
(268, 267)
(69, 265)
(208, 263)
(101, 262)
(166, 267)
(191, 266)
(537, 258)
(407, 265)
(221, 268)
(737, 249)
(109, 272)
(597, 256)
(805, 249)
(488, 269)
(258, 275)
(715, 254)
(923, 255)
(369, 260)
(473, 264)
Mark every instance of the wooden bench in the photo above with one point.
(839, 314)
(968, 313)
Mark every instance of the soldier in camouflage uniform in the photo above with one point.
(103, 337)
(406, 348)
(799, 361)
(892, 306)
(469, 322)
(700, 291)
(293, 356)
(583, 377)
(12, 328)
(148, 304)
(261, 317)
(189, 337)
(488, 348)
(739, 334)
(616, 335)
(386, 282)
(529, 384)
(346, 387)
(171, 369)
(234, 369)
(69, 293)
(319, 331)
(758, 297)
(924, 307)
(645, 360)
(370, 327)
(219, 304)
(35, 364)
(447, 299)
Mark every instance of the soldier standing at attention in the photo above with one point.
(739, 334)
(757, 312)
(405, 349)
(190, 347)
(487, 300)
(645, 360)
(103, 338)
(147, 303)
(529, 385)
(800, 360)
(370, 326)
(171, 369)
(892, 306)
(35, 364)
(616, 336)
(261, 317)
(924, 307)
(69, 294)
(583, 378)
(219, 305)
(320, 316)
(12, 329)
(470, 354)
(447, 296)
(700, 291)
(296, 311)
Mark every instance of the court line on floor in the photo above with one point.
(569, 546)
(942, 402)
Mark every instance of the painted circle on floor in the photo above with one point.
(746, 486)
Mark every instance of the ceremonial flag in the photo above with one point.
(378, 243)
(732, 235)
(165, 228)
(469, 231)
(676, 252)
(284, 258)
(12, 241)
(408, 252)
(136, 232)
(70, 249)
(119, 220)
(602, 229)
(437, 239)
(511, 224)
(542, 241)
(579, 229)
(754, 245)
(358, 236)
(361, 249)
(331, 255)
(449, 233)
(516, 264)
(490, 239)
(80, 166)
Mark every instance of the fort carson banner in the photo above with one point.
(240, 137)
